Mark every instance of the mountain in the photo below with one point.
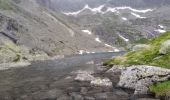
(65, 27)
(40, 32)
(117, 22)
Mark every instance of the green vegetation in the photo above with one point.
(161, 89)
(141, 41)
(5, 5)
(149, 56)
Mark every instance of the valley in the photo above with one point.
(84, 49)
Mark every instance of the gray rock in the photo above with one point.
(147, 99)
(89, 98)
(64, 97)
(51, 94)
(84, 77)
(76, 96)
(140, 47)
(115, 69)
(141, 77)
(121, 93)
(83, 90)
(165, 47)
(101, 96)
(101, 82)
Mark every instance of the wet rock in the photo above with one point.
(101, 96)
(116, 69)
(64, 97)
(140, 47)
(121, 93)
(76, 96)
(89, 98)
(101, 82)
(84, 77)
(101, 69)
(165, 47)
(147, 99)
(141, 77)
(51, 94)
(83, 90)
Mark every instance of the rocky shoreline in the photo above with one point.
(134, 78)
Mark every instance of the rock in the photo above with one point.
(165, 47)
(101, 96)
(84, 77)
(116, 69)
(51, 94)
(101, 82)
(147, 99)
(89, 98)
(121, 93)
(141, 77)
(83, 90)
(100, 69)
(140, 47)
(76, 96)
(64, 97)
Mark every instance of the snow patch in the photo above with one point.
(81, 52)
(94, 10)
(109, 9)
(87, 31)
(125, 39)
(116, 50)
(134, 10)
(161, 26)
(107, 45)
(125, 19)
(98, 40)
(136, 15)
(160, 30)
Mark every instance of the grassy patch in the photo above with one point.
(145, 57)
(161, 89)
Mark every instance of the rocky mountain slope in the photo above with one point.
(117, 22)
(37, 30)
(54, 27)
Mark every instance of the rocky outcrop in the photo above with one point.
(141, 47)
(85, 76)
(165, 47)
(141, 77)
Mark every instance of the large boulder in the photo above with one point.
(141, 77)
(165, 47)
(140, 47)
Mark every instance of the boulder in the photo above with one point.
(101, 82)
(140, 47)
(141, 77)
(165, 47)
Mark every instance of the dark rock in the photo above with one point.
(76, 96)
(88, 98)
